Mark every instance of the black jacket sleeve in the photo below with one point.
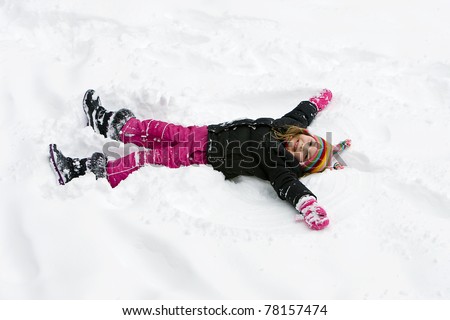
(283, 172)
(301, 116)
(287, 185)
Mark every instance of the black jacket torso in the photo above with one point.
(248, 147)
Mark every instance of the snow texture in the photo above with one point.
(188, 233)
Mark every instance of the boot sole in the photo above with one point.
(86, 108)
(55, 167)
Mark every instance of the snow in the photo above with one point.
(188, 233)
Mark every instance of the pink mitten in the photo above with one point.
(337, 149)
(341, 146)
(314, 215)
(322, 100)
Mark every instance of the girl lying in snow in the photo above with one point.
(279, 150)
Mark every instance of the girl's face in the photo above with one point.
(302, 146)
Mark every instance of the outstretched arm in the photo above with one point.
(301, 116)
(289, 188)
(306, 111)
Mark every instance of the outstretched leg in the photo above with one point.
(154, 133)
(182, 154)
(115, 171)
(123, 126)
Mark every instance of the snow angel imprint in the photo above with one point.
(278, 150)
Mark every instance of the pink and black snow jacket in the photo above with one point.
(248, 147)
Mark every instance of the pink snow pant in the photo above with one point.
(166, 144)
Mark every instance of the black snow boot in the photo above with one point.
(107, 123)
(67, 168)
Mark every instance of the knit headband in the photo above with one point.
(322, 159)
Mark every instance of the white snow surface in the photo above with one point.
(188, 233)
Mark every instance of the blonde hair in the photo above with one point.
(289, 132)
